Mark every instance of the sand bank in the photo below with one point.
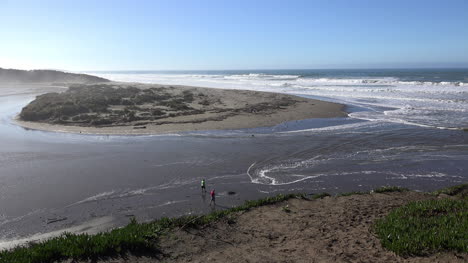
(225, 109)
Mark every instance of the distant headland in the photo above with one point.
(45, 76)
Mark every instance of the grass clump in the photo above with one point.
(457, 190)
(353, 193)
(135, 237)
(425, 227)
(319, 196)
(390, 189)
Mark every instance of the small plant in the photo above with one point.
(353, 193)
(389, 189)
(188, 96)
(319, 196)
(286, 209)
(204, 102)
(157, 112)
(457, 190)
(231, 220)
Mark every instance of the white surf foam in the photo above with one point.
(427, 104)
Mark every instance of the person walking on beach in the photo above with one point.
(213, 197)
(203, 185)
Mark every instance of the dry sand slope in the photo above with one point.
(327, 230)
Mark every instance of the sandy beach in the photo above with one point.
(230, 109)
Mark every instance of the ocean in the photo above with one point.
(425, 97)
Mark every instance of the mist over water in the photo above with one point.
(57, 181)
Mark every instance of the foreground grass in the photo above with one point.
(425, 227)
(135, 237)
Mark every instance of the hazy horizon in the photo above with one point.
(244, 69)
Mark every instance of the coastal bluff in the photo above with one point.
(45, 76)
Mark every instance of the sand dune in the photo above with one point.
(207, 109)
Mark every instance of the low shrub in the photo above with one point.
(457, 190)
(390, 189)
(353, 193)
(319, 196)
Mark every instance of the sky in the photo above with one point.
(85, 35)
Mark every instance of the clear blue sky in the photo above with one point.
(235, 34)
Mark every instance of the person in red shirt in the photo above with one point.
(213, 197)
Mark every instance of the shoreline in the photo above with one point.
(304, 108)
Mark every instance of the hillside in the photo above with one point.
(45, 76)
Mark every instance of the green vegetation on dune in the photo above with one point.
(424, 227)
(133, 237)
(102, 104)
(110, 105)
